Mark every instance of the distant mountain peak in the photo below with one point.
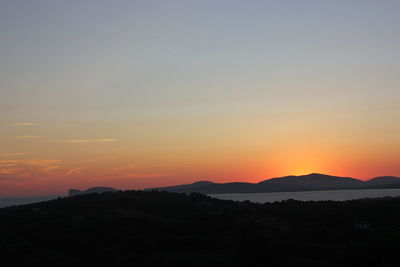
(313, 174)
(202, 182)
(74, 192)
(384, 180)
(317, 174)
(98, 189)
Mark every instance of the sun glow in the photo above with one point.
(300, 161)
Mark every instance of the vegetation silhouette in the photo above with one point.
(139, 228)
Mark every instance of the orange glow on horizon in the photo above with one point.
(110, 165)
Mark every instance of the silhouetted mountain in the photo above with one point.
(209, 188)
(309, 182)
(187, 188)
(315, 180)
(75, 192)
(384, 180)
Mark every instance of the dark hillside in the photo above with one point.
(137, 228)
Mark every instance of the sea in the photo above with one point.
(336, 195)
(15, 201)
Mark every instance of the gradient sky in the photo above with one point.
(134, 94)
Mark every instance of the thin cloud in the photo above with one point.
(13, 154)
(41, 162)
(143, 175)
(23, 137)
(77, 141)
(73, 171)
(27, 124)
(8, 171)
(103, 140)
(120, 148)
(9, 163)
(23, 124)
(30, 168)
(29, 162)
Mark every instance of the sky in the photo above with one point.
(137, 94)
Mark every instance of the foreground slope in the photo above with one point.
(136, 228)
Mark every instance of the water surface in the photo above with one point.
(14, 201)
(338, 195)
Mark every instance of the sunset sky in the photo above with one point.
(136, 94)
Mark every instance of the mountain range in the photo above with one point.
(309, 182)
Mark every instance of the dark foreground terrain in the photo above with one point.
(136, 228)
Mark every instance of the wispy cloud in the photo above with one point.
(28, 162)
(13, 154)
(143, 175)
(135, 171)
(103, 140)
(8, 171)
(27, 124)
(120, 148)
(41, 162)
(73, 171)
(27, 137)
(27, 168)
(9, 163)
(23, 124)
